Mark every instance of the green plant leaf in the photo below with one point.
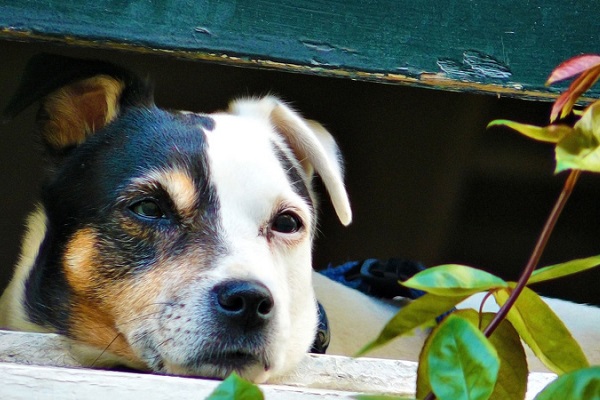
(512, 375)
(564, 269)
(581, 148)
(454, 280)
(583, 384)
(577, 147)
(543, 332)
(417, 313)
(236, 388)
(550, 133)
(423, 386)
(463, 364)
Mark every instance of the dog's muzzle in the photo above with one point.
(243, 306)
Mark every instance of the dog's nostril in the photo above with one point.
(231, 303)
(265, 306)
(249, 303)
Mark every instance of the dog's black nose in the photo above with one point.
(248, 304)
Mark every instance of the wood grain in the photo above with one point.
(505, 48)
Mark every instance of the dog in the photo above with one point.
(180, 242)
(171, 241)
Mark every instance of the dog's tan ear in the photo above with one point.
(78, 97)
(312, 145)
(70, 114)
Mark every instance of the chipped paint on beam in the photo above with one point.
(431, 80)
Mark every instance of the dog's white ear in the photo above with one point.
(313, 146)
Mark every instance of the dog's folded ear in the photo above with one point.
(312, 144)
(78, 97)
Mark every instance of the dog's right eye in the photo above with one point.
(148, 209)
(286, 222)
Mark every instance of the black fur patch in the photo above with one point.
(91, 189)
(47, 305)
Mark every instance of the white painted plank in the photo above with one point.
(26, 382)
(36, 348)
(38, 366)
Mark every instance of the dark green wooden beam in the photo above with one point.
(500, 47)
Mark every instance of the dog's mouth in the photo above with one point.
(248, 364)
(235, 359)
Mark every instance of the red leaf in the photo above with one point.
(573, 66)
(564, 103)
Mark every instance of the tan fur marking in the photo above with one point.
(78, 110)
(80, 260)
(169, 277)
(91, 322)
(135, 229)
(105, 311)
(91, 326)
(180, 187)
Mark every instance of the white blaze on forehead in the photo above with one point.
(245, 171)
(251, 185)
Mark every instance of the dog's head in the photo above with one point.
(173, 241)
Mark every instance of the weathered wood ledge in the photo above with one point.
(479, 47)
(42, 364)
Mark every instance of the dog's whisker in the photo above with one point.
(140, 317)
(139, 338)
(143, 336)
(143, 316)
(318, 231)
(296, 182)
(105, 349)
(170, 339)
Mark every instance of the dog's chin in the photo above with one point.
(253, 367)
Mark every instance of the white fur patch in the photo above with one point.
(12, 312)
(252, 186)
(352, 330)
(313, 145)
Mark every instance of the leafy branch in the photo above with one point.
(536, 254)
(447, 368)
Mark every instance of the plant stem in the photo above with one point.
(534, 258)
(537, 251)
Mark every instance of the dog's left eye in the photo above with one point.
(286, 222)
(148, 209)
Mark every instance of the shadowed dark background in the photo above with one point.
(426, 179)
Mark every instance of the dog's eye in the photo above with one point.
(148, 209)
(286, 222)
